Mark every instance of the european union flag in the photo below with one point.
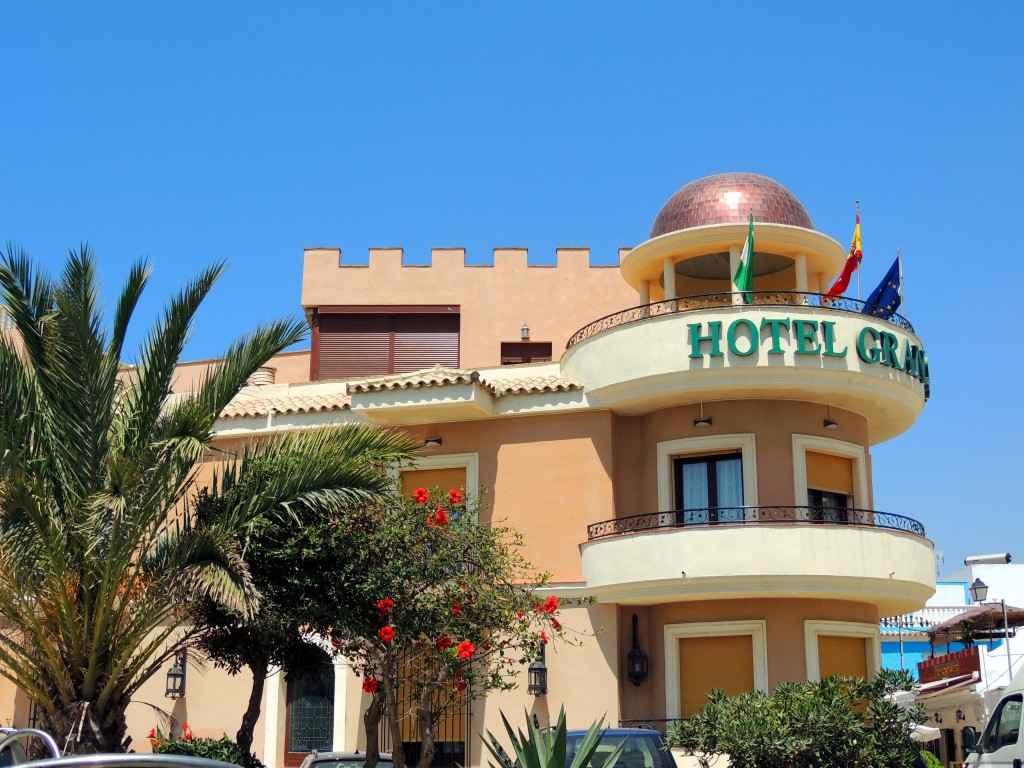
(885, 299)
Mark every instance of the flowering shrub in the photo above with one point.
(223, 749)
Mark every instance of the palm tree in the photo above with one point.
(98, 547)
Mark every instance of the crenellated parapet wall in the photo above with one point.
(494, 300)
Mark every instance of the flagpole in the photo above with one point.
(858, 266)
(899, 258)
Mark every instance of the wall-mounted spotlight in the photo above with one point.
(524, 332)
(829, 424)
(960, 716)
(702, 421)
(432, 442)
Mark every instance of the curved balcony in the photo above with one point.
(784, 299)
(782, 345)
(720, 516)
(856, 555)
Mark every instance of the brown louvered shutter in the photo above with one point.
(839, 655)
(423, 341)
(354, 345)
(706, 663)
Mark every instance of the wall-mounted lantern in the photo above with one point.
(524, 332)
(637, 667)
(176, 677)
(537, 675)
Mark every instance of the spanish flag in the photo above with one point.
(852, 262)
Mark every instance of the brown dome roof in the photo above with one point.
(726, 198)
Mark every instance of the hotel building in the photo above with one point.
(696, 459)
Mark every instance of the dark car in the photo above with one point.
(643, 748)
(342, 760)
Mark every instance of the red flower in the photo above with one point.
(543, 637)
(456, 607)
(387, 634)
(444, 642)
(487, 646)
(152, 733)
(186, 733)
(551, 604)
(555, 624)
(386, 605)
(420, 495)
(440, 520)
(464, 585)
(370, 685)
(519, 614)
(459, 683)
(538, 607)
(454, 497)
(466, 649)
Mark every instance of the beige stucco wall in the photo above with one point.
(773, 424)
(495, 301)
(290, 368)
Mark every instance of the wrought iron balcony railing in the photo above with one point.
(736, 516)
(727, 299)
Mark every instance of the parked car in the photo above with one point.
(342, 760)
(643, 748)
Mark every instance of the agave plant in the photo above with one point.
(98, 549)
(545, 747)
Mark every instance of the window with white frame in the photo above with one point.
(710, 478)
(703, 656)
(829, 479)
(841, 648)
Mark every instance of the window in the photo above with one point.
(709, 489)
(829, 479)
(841, 648)
(514, 352)
(737, 446)
(1004, 727)
(385, 341)
(699, 657)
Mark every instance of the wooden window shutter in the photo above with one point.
(423, 341)
(830, 473)
(706, 663)
(838, 655)
(354, 345)
(445, 479)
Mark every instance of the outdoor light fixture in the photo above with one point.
(636, 663)
(537, 675)
(176, 677)
(938, 718)
(979, 591)
(829, 424)
(524, 332)
(432, 442)
(960, 717)
(702, 422)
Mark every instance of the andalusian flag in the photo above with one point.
(852, 262)
(743, 280)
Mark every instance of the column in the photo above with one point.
(669, 270)
(801, 272)
(645, 292)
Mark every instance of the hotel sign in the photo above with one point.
(778, 335)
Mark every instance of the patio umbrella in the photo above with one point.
(977, 617)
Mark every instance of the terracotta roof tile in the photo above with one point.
(431, 377)
(530, 385)
(246, 406)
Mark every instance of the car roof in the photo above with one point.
(621, 732)
(348, 756)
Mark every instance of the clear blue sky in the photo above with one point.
(190, 132)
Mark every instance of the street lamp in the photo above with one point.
(537, 675)
(979, 591)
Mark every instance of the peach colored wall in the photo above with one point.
(291, 367)
(494, 300)
(547, 476)
(212, 706)
(773, 422)
(784, 628)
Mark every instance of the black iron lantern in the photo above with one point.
(979, 591)
(176, 677)
(637, 667)
(537, 675)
